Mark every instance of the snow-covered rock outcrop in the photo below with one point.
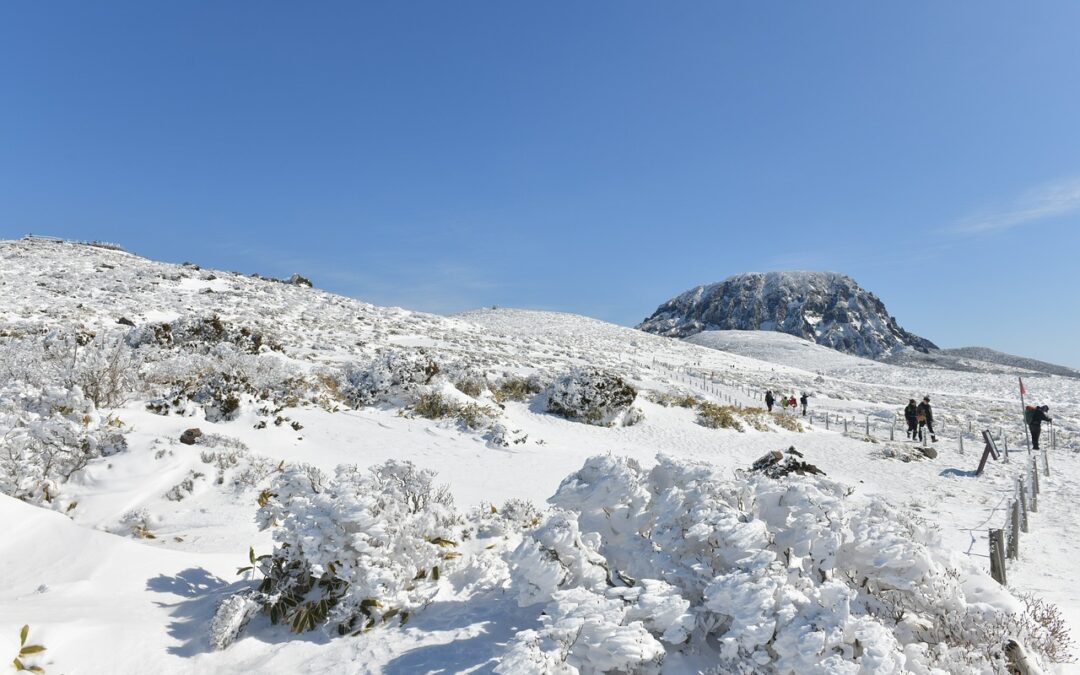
(825, 307)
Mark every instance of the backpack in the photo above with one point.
(1029, 414)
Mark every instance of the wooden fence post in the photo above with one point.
(997, 556)
(1013, 551)
(1046, 463)
(1022, 489)
(961, 437)
(892, 430)
(845, 425)
(867, 425)
(1034, 486)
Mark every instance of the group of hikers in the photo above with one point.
(786, 402)
(919, 416)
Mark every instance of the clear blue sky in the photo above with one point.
(593, 157)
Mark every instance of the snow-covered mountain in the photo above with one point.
(825, 307)
(637, 539)
(980, 359)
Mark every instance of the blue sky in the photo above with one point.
(594, 157)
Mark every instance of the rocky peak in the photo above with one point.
(825, 307)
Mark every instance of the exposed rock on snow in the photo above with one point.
(594, 396)
(824, 307)
(777, 464)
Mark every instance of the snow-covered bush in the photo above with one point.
(514, 516)
(389, 376)
(107, 369)
(434, 405)
(219, 380)
(773, 576)
(593, 396)
(47, 434)
(715, 416)
(200, 334)
(516, 388)
(356, 549)
(501, 436)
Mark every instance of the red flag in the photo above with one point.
(1022, 390)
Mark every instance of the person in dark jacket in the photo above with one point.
(769, 400)
(911, 416)
(926, 418)
(1038, 416)
(802, 400)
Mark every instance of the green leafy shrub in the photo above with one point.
(26, 650)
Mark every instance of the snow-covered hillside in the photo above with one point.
(631, 535)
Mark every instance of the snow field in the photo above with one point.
(118, 603)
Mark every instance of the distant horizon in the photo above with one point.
(596, 158)
(317, 286)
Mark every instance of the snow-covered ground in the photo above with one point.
(81, 569)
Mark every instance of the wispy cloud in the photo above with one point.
(1046, 201)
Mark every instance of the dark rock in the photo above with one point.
(778, 464)
(190, 436)
(297, 280)
(125, 321)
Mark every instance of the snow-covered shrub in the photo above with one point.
(470, 385)
(219, 380)
(137, 522)
(681, 400)
(715, 416)
(434, 405)
(501, 436)
(200, 334)
(516, 388)
(107, 369)
(768, 576)
(514, 516)
(47, 434)
(387, 377)
(593, 396)
(584, 632)
(232, 616)
(356, 549)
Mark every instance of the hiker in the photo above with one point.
(911, 415)
(1035, 417)
(802, 400)
(926, 418)
(769, 399)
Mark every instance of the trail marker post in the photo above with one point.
(989, 451)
